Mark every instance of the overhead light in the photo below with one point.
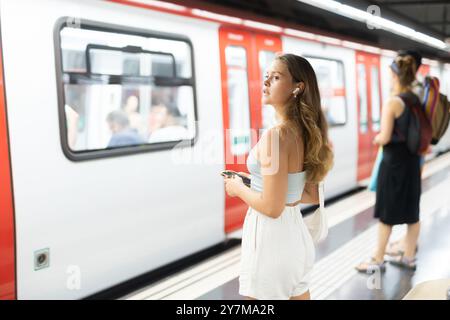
(160, 4)
(426, 38)
(352, 12)
(260, 25)
(215, 16)
(376, 21)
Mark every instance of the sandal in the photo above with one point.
(371, 266)
(404, 262)
(392, 250)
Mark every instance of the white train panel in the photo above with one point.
(345, 143)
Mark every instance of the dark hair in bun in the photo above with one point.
(404, 67)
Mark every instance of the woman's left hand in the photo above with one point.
(376, 140)
(233, 185)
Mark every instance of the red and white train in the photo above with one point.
(81, 212)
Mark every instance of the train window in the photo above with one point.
(238, 99)
(130, 61)
(268, 113)
(362, 97)
(331, 81)
(375, 101)
(123, 90)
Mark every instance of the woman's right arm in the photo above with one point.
(388, 114)
(274, 170)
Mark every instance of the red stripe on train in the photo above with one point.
(7, 243)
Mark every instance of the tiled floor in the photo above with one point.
(433, 262)
(433, 256)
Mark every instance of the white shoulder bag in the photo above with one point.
(317, 222)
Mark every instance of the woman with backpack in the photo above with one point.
(398, 184)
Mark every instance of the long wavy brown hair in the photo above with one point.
(304, 114)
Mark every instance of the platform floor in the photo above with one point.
(352, 238)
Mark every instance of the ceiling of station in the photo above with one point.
(433, 16)
(427, 16)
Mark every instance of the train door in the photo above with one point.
(266, 48)
(243, 56)
(369, 110)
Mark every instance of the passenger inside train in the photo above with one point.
(165, 123)
(131, 108)
(122, 133)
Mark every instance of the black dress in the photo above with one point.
(398, 182)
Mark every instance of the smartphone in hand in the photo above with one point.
(246, 180)
(229, 174)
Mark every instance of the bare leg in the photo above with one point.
(384, 232)
(411, 240)
(304, 296)
(402, 243)
(399, 244)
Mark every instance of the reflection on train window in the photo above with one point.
(238, 100)
(375, 100)
(265, 58)
(362, 97)
(124, 90)
(331, 81)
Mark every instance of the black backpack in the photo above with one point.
(419, 131)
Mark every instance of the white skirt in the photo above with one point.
(277, 255)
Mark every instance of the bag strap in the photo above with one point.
(321, 197)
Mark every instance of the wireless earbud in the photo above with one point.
(297, 90)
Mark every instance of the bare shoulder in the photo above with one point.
(273, 143)
(291, 138)
(395, 105)
(268, 138)
(395, 101)
(281, 137)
